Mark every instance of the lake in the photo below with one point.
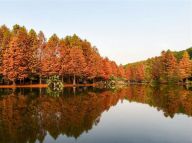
(135, 114)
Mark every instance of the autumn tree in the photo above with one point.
(40, 54)
(128, 72)
(185, 66)
(115, 70)
(121, 71)
(5, 36)
(50, 60)
(32, 54)
(156, 66)
(92, 59)
(77, 63)
(65, 58)
(169, 68)
(140, 72)
(97, 65)
(15, 60)
(107, 70)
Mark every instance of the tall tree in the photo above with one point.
(64, 58)
(32, 54)
(169, 68)
(140, 72)
(128, 72)
(15, 60)
(107, 68)
(156, 66)
(77, 63)
(40, 54)
(5, 36)
(115, 71)
(121, 71)
(50, 61)
(92, 59)
(185, 66)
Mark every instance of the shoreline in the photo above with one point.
(79, 85)
(43, 85)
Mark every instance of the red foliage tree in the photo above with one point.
(107, 70)
(155, 71)
(169, 68)
(185, 66)
(140, 72)
(32, 54)
(128, 72)
(50, 60)
(77, 63)
(121, 71)
(5, 36)
(40, 54)
(115, 69)
(15, 60)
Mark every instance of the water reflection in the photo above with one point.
(27, 115)
(170, 99)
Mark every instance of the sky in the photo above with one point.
(123, 30)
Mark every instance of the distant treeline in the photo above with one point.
(169, 67)
(27, 56)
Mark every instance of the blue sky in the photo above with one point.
(123, 30)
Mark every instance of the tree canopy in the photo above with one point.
(27, 55)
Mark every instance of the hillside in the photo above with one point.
(171, 66)
(178, 54)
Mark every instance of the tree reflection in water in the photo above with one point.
(26, 115)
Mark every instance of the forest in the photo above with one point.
(28, 57)
(169, 67)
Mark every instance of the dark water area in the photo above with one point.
(135, 114)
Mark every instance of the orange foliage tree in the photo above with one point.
(185, 66)
(77, 63)
(15, 60)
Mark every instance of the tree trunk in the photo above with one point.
(31, 81)
(40, 91)
(20, 81)
(186, 81)
(62, 78)
(74, 80)
(74, 90)
(40, 79)
(14, 82)
(93, 80)
(69, 79)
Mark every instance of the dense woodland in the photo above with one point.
(170, 67)
(26, 57)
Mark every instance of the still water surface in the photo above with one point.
(136, 114)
